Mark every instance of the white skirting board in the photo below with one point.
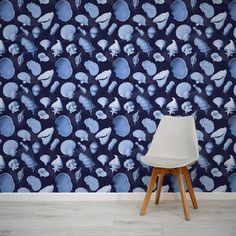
(108, 196)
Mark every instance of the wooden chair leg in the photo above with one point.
(183, 197)
(149, 191)
(190, 187)
(158, 192)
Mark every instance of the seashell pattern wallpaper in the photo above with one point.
(84, 84)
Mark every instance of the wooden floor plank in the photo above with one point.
(115, 218)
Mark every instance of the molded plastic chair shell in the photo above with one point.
(174, 143)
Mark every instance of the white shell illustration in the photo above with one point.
(103, 135)
(63, 10)
(115, 164)
(219, 20)
(103, 77)
(92, 9)
(46, 77)
(161, 78)
(121, 10)
(219, 135)
(103, 20)
(46, 135)
(125, 147)
(46, 20)
(115, 48)
(179, 10)
(68, 147)
(161, 20)
(7, 11)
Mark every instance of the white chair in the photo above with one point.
(173, 148)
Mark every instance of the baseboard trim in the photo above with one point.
(107, 196)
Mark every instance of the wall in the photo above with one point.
(85, 84)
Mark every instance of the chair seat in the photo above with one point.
(167, 163)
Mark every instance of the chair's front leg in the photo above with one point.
(183, 197)
(149, 191)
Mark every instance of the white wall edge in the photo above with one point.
(108, 196)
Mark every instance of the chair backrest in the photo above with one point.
(175, 137)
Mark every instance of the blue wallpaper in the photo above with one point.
(84, 85)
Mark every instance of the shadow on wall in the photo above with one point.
(85, 84)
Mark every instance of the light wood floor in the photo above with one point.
(120, 218)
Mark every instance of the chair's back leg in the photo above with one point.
(183, 197)
(158, 192)
(190, 187)
(149, 191)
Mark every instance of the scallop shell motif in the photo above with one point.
(179, 10)
(125, 147)
(82, 19)
(140, 135)
(82, 135)
(232, 8)
(63, 126)
(140, 77)
(7, 70)
(121, 182)
(10, 147)
(125, 32)
(183, 32)
(125, 90)
(183, 90)
(63, 182)
(10, 90)
(64, 69)
(63, 10)
(7, 127)
(45, 159)
(6, 183)
(139, 19)
(121, 126)
(179, 68)
(121, 10)
(68, 147)
(7, 11)
(121, 68)
(68, 32)
(68, 90)
(82, 77)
